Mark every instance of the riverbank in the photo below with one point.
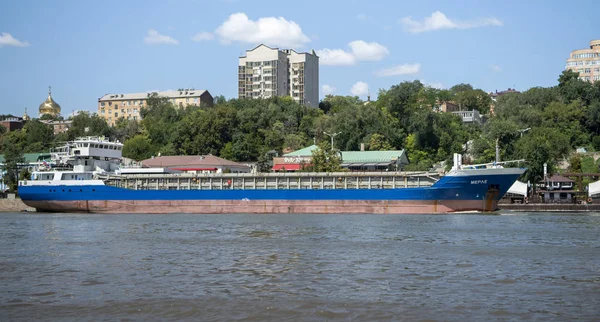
(537, 207)
(14, 205)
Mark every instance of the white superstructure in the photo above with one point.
(78, 161)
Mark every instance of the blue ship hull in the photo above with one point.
(474, 190)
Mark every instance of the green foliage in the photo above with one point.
(125, 129)
(324, 159)
(2, 130)
(86, 124)
(13, 157)
(378, 142)
(138, 148)
(219, 100)
(539, 125)
(25, 174)
(575, 163)
(469, 100)
(588, 166)
(50, 117)
(39, 136)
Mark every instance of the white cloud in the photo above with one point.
(496, 68)
(360, 89)
(154, 38)
(335, 57)
(361, 16)
(269, 30)
(201, 36)
(363, 50)
(7, 39)
(405, 69)
(327, 89)
(359, 50)
(438, 21)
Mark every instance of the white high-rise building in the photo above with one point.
(267, 72)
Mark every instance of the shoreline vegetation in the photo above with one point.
(540, 125)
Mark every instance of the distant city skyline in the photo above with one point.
(87, 49)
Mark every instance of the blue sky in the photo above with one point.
(85, 49)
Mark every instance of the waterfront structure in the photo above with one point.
(557, 189)
(586, 62)
(196, 164)
(49, 106)
(268, 72)
(390, 160)
(111, 107)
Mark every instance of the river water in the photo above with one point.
(524, 267)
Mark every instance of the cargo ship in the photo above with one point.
(85, 176)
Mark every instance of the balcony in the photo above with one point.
(469, 116)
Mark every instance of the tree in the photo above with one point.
(39, 136)
(459, 88)
(378, 142)
(138, 148)
(13, 157)
(575, 163)
(219, 100)
(474, 100)
(2, 130)
(125, 129)
(86, 124)
(324, 159)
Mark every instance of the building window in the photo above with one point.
(102, 104)
(135, 111)
(116, 114)
(123, 103)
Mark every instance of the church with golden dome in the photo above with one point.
(49, 106)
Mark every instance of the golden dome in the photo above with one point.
(25, 116)
(49, 106)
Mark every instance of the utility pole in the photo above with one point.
(332, 136)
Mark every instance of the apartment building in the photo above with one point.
(268, 72)
(586, 62)
(111, 107)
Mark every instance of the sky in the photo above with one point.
(85, 49)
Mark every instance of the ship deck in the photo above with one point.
(274, 181)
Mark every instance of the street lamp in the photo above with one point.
(524, 130)
(332, 136)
